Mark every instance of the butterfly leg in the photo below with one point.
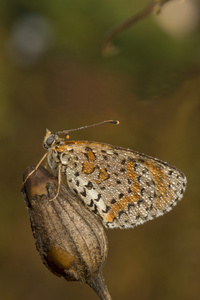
(59, 182)
(41, 160)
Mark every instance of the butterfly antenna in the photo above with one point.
(116, 122)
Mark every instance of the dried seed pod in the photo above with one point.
(70, 238)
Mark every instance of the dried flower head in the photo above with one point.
(70, 238)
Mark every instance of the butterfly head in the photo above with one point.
(51, 140)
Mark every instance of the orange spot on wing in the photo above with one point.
(91, 156)
(73, 142)
(88, 167)
(103, 175)
(66, 147)
(120, 205)
(134, 177)
(109, 217)
(62, 148)
(163, 194)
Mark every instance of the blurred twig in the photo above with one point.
(153, 6)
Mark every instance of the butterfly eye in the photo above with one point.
(50, 140)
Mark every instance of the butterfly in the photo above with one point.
(123, 187)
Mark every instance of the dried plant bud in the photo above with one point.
(70, 238)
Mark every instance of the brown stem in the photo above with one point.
(98, 285)
(106, 47)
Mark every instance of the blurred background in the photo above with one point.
(53, 75)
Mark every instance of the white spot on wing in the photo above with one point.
(90, 195)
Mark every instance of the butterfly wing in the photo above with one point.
(125, 188)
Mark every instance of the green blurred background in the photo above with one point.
(52, 75)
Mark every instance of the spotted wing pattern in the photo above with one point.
(125, 188)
